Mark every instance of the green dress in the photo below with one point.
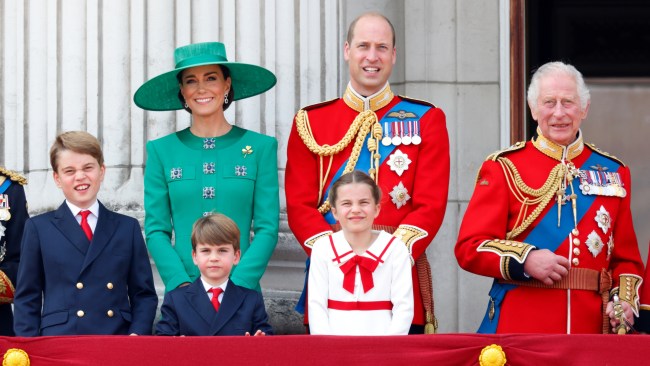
(187, 177)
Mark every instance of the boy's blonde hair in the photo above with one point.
(215, 229)
(80, 142)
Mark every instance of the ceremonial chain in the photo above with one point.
(542, 196)
(360, 127)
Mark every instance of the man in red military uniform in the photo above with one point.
(401, 143)
(550, 220)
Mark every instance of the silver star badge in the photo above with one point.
(594, 243)
(399, 195)
(399, 162)
(603, 219)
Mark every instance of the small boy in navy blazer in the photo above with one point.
(83, 269)
(212, 304)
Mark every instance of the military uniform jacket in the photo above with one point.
(334, 310)
(187, 177)
(69, 286)
(14, 204)
(497, 233)
(421, 189)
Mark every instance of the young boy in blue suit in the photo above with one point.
(212, 304)
(83, 269)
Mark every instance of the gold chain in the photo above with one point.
(360, 128)
(541, 196)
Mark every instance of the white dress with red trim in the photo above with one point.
(368, 294)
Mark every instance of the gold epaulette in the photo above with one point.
(14, 176)
(605, 154)
(318, 105)
(417, 101)
(517, 146)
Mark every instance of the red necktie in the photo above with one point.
(84, 224)
(216, 291)
(366, 267)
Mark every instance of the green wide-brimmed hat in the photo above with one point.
(161, 92)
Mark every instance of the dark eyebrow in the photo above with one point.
(206, 74)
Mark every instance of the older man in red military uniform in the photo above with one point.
(550, 220)
(402, 143)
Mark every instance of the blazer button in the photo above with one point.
(109, 286)
(109, 313)
(575, 261)
(80, 285)
(80, 313)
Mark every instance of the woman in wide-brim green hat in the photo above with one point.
(211, 166)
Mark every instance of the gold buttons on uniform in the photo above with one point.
(576, 241)
(575, 232)
(576, 251)
(109, 313)
(80, 313)
(80, 285)
(109, 286)
(575, 261)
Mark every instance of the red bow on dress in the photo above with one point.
(366, 267)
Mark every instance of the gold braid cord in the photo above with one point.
(360, 127)
(528, 196)
(426, 290)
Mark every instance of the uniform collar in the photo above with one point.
(374, 102)
(556, 151)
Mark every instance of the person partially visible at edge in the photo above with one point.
(13, 214)
(211, 166)
(359, 278)
(642, 323)
(84, 269)
(400, 142)
(550, 221)
(213, 305)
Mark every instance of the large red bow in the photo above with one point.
(366, 267)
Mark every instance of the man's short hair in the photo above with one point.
(557, 67)
(80, 142)
(215, 229)
(369, 14)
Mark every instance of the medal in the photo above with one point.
(4, 207)
(416, 139)
(399, 195)
(386, 141)
(399, 162)
(594, 243)
(603, 219)
(396, 139)
(406, 139)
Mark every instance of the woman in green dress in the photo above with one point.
(212, 166)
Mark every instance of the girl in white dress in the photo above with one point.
(359, 278)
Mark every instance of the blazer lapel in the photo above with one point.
(104, 231)
(232, 299)
(199, 300)
(70, 228)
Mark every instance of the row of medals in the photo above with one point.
(403, 132)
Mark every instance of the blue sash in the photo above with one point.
(4, 186)
(546, 235)
(363, 163)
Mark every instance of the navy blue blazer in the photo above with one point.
(188, 311)
(103, 287)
